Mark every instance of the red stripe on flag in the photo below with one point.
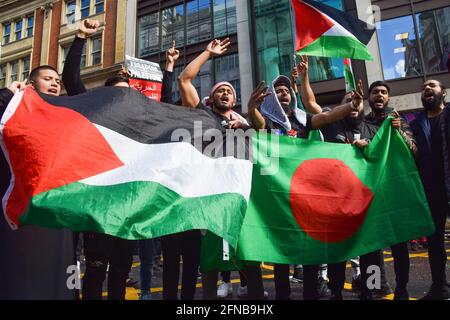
(49, 147)
(310, 24)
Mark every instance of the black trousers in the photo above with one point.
(188, 246)
(101, 250)
(283, 287)
(436, 246)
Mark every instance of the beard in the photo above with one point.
(286, 108)
(434, 103)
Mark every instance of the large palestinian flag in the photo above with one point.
(315, 202)
(110, 161)
(324, 31)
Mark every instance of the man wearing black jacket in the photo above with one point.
(431, 129)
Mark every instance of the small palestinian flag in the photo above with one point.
(350, 83)
(111, 161)
(321, 30)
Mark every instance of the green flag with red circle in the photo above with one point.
(316, 202)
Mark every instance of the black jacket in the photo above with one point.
(422, 132)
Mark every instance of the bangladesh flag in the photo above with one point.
(326, 203)
(314, 202)
(321, 30)
(115, 162)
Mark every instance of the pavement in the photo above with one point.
(420, 279)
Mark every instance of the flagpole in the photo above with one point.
(294, 56)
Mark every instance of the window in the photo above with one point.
(25, 68)
(399, 48)
(70, 12)
(18, 29)
(85, 6)
(96, 51)
(434, 36)
(224, 17)
(148, 34)
(99, 6)
(172, 27)
(3, 75)
(14, 71)
(198, 21)
(6, 33)
(30, 24)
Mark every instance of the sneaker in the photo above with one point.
(356, 284)
(322, 288)
(243, 293)
(145, 296)
(131, 282)
(297, 277)
(437, 293)
(224, 290)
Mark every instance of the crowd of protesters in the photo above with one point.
(276, 107)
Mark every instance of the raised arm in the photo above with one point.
(307, 94)
(189, 95)
(256, 98)
(325, 118)
(172, 56)
(71, 75)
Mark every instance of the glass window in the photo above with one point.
(6, 33)
(18, 29)
(96, 51)
(434, 34)
(70, 12)
(25, 68)
(83, 56)
(148, 34)
(204, 20)
(227, 69)
(231, 16)
(14, 71)
(30, 24)
(172, 27)
(192, 21)
(220, 18)
(64, 52)
(398, 48)
(85, 4)
(3, 75)
(99, 6)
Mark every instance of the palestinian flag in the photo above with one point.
(115, 162)
(316, 202)
(321, 30)
(350, 83)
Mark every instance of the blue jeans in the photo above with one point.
(146, 257)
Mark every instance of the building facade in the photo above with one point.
(411, 43)
(40, 32)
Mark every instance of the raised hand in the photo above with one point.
(258, 95)
(218, 47)
(358, 96)
(172, 54)
(17, 86)
(303, 66)
(88, 27)
(396, 122)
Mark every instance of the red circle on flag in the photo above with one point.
(328, 200)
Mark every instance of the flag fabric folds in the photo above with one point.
(324, 31)
(108, 161)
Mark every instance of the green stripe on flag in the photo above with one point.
(153, 211)
(338, 47)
